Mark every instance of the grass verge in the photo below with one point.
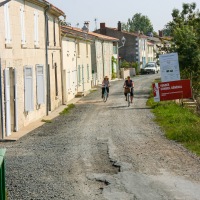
(67, 109)
(178, 123)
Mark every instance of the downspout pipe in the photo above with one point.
(46, 57)
(61, 60)
(1, 105)
(103, 59)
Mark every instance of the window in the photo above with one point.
(78, 49)
(143, 61)
(88, 72)
(54, 31)
(79, 74)
(40, 87)
(86, 49)
(82, 74)
(7, 24)
(144, 43)
(56, 79)
(114, 49)
(69, 81)
(23, 36)
(36, 32)
(28, 88)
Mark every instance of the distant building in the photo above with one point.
(135, 48)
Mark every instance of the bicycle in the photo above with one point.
(128, 96)
(105, 94)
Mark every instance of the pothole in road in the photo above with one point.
(102, 165)
(102, 162)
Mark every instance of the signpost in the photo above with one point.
(169, 67)
(172, 90)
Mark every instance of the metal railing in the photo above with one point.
(2, 175)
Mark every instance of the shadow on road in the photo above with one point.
(126, 107)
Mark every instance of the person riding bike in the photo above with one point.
(105, 84)
(128, 84)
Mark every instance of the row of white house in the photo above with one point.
(44, 64)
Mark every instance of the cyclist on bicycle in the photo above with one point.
(128, 84)
(105, 84)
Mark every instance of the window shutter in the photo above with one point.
(16, 99)
(7, 24)
(23, 36)
(36, 35)
(79, 74)
(28, 88)
(68, 81)
(88, 72)
(40, 84)
(7, 101)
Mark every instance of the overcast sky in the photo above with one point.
(112, 11)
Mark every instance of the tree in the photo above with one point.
(185, 32)
(140, 23)
(167, 30)
(186, 36)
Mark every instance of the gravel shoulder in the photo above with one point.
(102, 151)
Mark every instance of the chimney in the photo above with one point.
(87, 23)
(103, 28)
(102, 25)
(160, 33)
(119, 26)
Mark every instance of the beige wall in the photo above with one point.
(99, 60)
(77, 73)
(84, 61)
(150, 53)
(16, 55)
(108, 53)
(104, 53)
(69, 68)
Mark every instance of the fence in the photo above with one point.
(2, 175)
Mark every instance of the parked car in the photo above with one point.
(150, 68)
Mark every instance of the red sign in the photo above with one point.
(172, 90)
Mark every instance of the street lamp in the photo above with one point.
(123, 40)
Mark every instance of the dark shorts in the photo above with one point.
(103, 88)
(131, 93)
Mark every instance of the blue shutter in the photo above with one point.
(40, 84)
(28, 88)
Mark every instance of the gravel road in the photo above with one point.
(102, 151)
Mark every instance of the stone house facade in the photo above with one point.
(104, 49)
(30, 62)
(76, 62)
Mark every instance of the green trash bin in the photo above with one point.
(2, 175)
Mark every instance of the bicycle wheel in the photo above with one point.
(128, 99)
(105, 96)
